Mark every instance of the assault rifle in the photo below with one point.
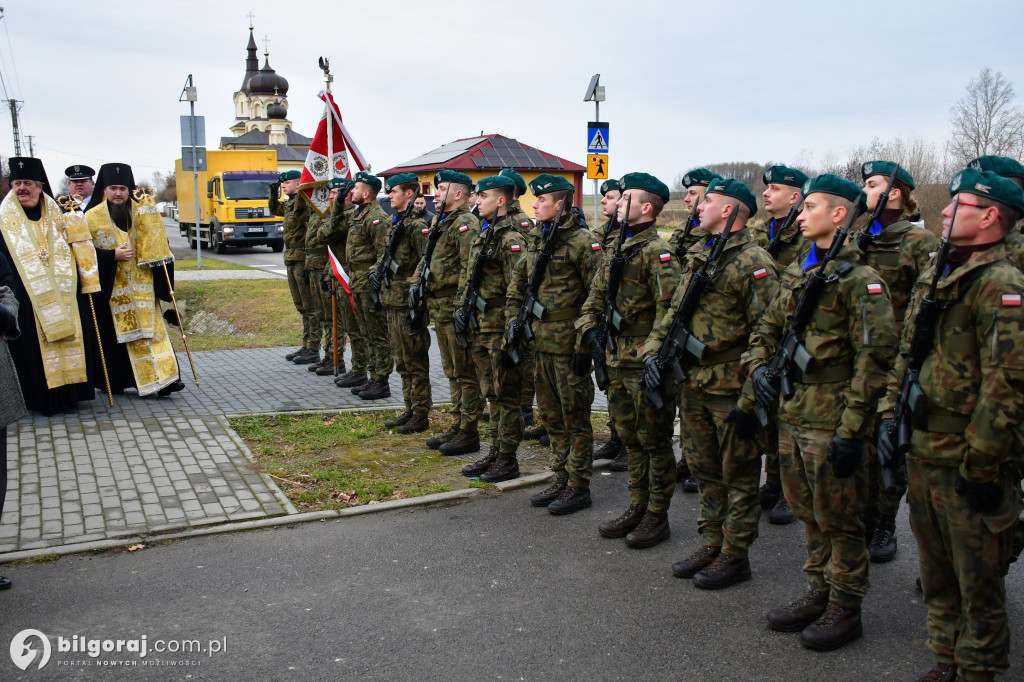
(911, 401)
(531, 307)
(692, 221)
(864, 238)
(791, 353)
(774, 244)
(680, 339)
(473, 301)
(388, 267)
(611, 320)
(417, 295)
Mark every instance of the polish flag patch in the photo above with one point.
(1011, 300)
(595, 246)
(525, 223)
(760, 273)
(463, 228)
(874, 288)
(665, 257)
(375, 222)
(515, 247)
(425, 230)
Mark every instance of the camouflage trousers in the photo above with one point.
(963, 558)
(880, 502)
(332, 304)
(373, 324)
(303, 301)
(771, 451)
(347, 320)
(529, 375)
(412, 360)
(457, 364)
(564, 398)
(728, 469)
(837, 556)
(322, 306)
(647, 434)
(502, 387)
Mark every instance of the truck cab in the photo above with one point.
(239, 213)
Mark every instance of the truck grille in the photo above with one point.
(250, 213)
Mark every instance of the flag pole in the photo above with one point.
(325, 65)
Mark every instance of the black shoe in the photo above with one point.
(5, 583)
(724, 571)
(359, 388)
(485, 416)
(527, 416)
(399, 420)
(173, 388)
(504, 468)
(571, 500)
(882, 547)
(545, 440)
(769, 494)
(799, 613)
(463, 443)
(624, 524)
(536, 433)
(317, 365)
(291, 356)
(621, 461)
(609, 450)
(307, 356)
(653, 529)
(436, 442)
(350, 379)
(690, 485)
(549, 494)
(481, 465)
(378, 391)
(326, 368)
(781, 514)
(702, 558)
(834, 628)
(417, 424)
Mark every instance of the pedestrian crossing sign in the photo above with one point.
(597, 137)
(597, 167)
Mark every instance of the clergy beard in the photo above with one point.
(121, 214)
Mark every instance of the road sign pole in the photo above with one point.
(597, 118)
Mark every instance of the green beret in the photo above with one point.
(1000, 165)
(288, 175)
(545, 183)
(609, 186)
(400, 179)
(736, 190)
(494, 182)
(833, 184)
(988, 184)
(699, 176)
(452, 176)
(646, 182)
(516, 178)
(784, 175)
(366, 178)
(340, 183)
(885, 168)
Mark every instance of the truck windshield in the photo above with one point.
(246, 189)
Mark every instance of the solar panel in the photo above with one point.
(445, 152)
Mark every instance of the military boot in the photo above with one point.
(416, 424)
(870, 520)
(883, 542)
(834, 628)
(399, 420)
(327, 367)
(770, 493)
(351, 379)
(326, 361)
(627, 521)
(545, 440)
(942, 672)
(434, 442)
(378, 391)
(781, 514)
(536, 433)
(609, 450)
(685, 478)
(621, 461)
(291, 356)
(481, 465)
(571, 500)
(549, 494)
(724, 571)
(799, 613)
(465, 441)
(504, 468)
(307, 356)
(702, 558)
(653, 529)
(527, 415)
(359, 388)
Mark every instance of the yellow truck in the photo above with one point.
(233, 193)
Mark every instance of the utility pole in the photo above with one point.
(31, 148)
(13, 103)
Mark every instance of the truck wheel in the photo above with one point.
(277, 247)
(191, 238)
(219, 247)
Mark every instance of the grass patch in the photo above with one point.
(41, 559)
(209, 264)
(237, 313)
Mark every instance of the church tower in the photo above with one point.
(262, 90)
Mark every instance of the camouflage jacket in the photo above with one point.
(295, 212)
(746, 281)
(316, 251)
(1015, 248)
(507, 246)
(792, 245)
(564, 287)
(900, 253)
(458, 227)
(975, 371)
(679, 244)
(408, 254)
(649, 277)
(522, 221)
(367, 237)
(852, 333)
(333, 232)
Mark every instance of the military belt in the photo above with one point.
(941, 423)
(361, 263)
(636, 329)
(825, 375)
(444, 293)
(723, 356)
(569, 314)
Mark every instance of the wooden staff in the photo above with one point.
(334, 323)
(181, 325)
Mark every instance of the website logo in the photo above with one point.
(23, 653)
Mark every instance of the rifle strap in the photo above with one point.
(825, 375)
(723, 356)
(560, 316)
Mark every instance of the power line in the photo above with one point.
(97, 158)
(10, 49)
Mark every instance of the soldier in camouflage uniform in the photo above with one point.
(964, 462)
(499, 378)
(718, 421)
(1012, 170)
(565, 390)
(407, 237)
(458, 227)
(899, 252)
(782, 191)
(295, 212)
(649, 277)
(316, 264)
(367, 238)
(824, 425)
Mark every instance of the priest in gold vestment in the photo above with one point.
(132, 249)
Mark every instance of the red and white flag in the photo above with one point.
(342, 277)
(316, 172)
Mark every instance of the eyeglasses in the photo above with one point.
(964, 204)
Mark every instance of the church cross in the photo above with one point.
(250, 21)
(266, 45)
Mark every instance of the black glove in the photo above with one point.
(580, 363)
(765, 391)
(746, 423)
(652, 372)
(886, 442)
(845, 455)
(325, 283)
(506, 359)
(981, 497)
(414, 297)
(461, 323)
(7, 320)
(305, 276)
(374, 282)
(171, 317)
(275, 190)
(593, 339)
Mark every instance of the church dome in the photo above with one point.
(268, 82)
(277, 110)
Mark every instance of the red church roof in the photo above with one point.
(487, 152)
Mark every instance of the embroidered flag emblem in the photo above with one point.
(376, 221)
(875, 288)
(463, 228)
(526, 223)
(515, 247)
(1011, 300)
(760, 273)
(665, 257)
(595, 246)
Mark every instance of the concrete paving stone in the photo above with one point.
(51, 514)
(53, 527)
(73, 518)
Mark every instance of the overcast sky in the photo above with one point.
(688, 83)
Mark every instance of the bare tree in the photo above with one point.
(985, 120)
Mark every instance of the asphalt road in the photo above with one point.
(489, 589)
(254, 256)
